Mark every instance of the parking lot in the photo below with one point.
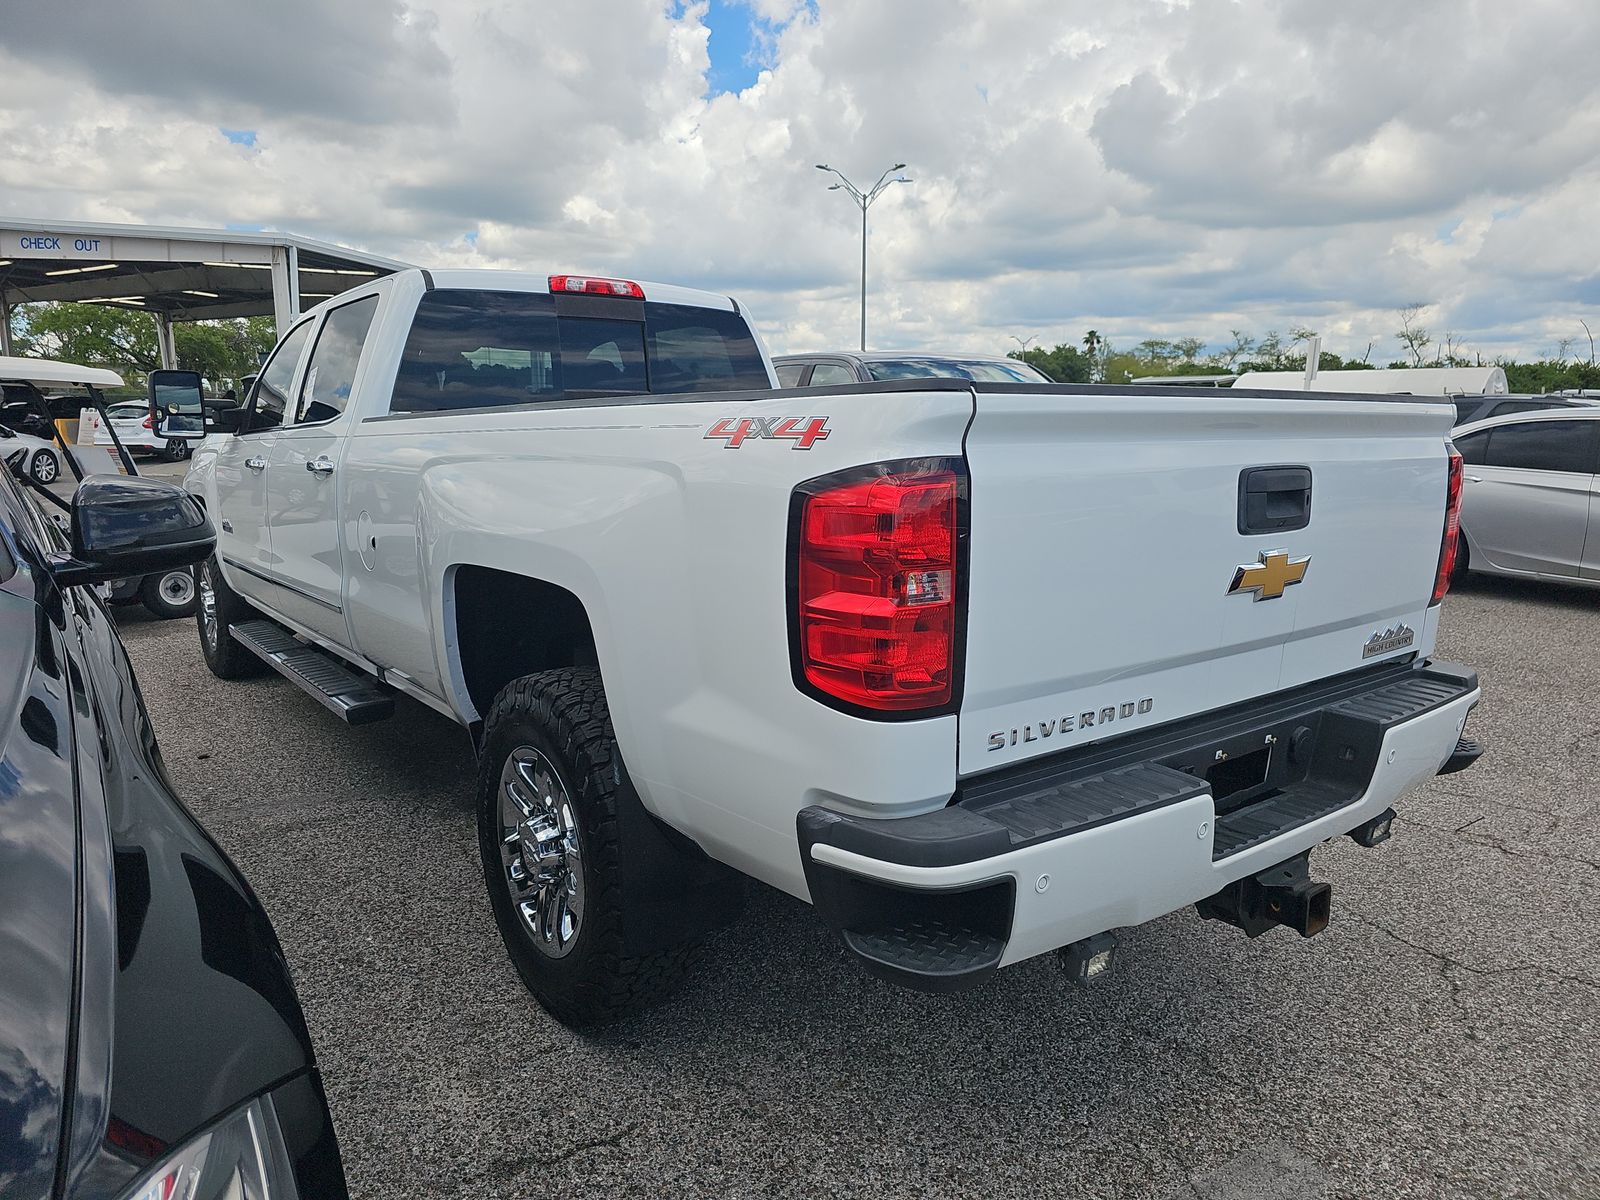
(1440, 1039)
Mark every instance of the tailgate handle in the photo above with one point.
(1274, 499)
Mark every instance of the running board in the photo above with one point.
(349, 695)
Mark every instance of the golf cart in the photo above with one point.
(38, 462)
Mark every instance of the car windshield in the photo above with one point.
(977, 369)
(127, 412)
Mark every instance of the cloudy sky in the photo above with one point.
(1145, 168)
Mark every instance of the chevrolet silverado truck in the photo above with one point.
(981, 670)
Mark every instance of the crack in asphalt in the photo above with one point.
(508, 1168)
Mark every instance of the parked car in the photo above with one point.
(19, 414)
(983, 671)
(1527, 502)
(138, 432)
(35, 457)
(150, 1038)
(823, 370)
(1470, 409)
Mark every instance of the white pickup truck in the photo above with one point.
(981, 670)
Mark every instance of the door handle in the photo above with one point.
(1474, 478)
(256, 464)
(320, 465)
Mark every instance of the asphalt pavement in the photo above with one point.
(1440, 1039)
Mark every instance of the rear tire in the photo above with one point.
(45, 467)
(218, 607)
(178, 449)
(549, 758)
(1458, 573)
(171, 594)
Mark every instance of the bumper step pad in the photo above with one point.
(934, 955)
(349, 695)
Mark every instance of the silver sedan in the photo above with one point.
(1527, 504)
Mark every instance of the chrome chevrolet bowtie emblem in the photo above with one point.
(1270, 576)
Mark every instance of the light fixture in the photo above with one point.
(5, 262)
(333, 271)
(83, 270)
(197, 292)
(242, 266)
(1089, 960)
(122, 300)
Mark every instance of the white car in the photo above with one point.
(982, 670)
(138, 433)
(40, 461)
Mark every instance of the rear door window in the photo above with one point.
(1544, 446)
(789, 374)
(1473, 447)
(826, 373)
(477, 349)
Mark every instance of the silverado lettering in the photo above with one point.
(1022, 734)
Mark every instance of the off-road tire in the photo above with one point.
(154, 598)
(563, 715)
(226, 657)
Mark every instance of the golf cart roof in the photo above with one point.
(48, 370)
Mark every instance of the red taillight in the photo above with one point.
(592, 285)
(1452, 528)
(877, 564)
(148, 423)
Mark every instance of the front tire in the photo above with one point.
(171, 594)
(45, 467)
(548, 837)
(219, 607)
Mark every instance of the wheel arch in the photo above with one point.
(505, 625)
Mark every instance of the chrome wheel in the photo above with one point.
(540, 851)
(45, 468)
(177, 587)
(208, 607)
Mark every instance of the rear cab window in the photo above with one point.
(473, 348)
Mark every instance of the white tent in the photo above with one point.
(1416, 381)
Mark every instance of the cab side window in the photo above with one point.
(331, 374)
(789, 374)
(1544, 446)
(270, 398)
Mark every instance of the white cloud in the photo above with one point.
(1146, 168)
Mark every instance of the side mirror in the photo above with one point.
(128, 525)
(177, 404)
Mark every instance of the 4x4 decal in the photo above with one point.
(804, 431)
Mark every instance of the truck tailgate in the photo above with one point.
(1106, 538)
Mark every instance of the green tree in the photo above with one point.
(1064, 364)
(124, 339)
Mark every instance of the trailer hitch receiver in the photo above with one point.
(1280, 895)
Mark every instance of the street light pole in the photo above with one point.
(864, 201)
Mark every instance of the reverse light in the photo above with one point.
(876, 562)
(593, 285)
(1449, 545)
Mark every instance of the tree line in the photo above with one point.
(125, 340)
(1093, 359)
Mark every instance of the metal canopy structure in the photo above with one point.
(177, 274)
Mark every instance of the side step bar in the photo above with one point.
(349, 695)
